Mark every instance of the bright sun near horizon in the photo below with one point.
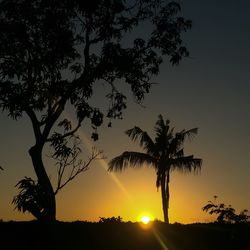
(145, 219)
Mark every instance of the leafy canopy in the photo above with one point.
(52, 53)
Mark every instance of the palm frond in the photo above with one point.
(164, 134)
(174, 145)
(187, 134)
(145, 141)
(158, 181)
(161, 127)
(186, 164)
(179, 153)
(131, 159)
(159, 123)
(177, 142)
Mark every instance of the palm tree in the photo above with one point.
(165, 153)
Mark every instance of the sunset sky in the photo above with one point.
(210, 90)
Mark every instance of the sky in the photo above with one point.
(210, 90)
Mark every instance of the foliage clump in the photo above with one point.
(31, 197)
(112, 219)
(226, 213)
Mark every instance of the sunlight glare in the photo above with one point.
(145, 219)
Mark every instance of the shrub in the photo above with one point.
(226, 213)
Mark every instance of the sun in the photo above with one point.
(145, 219)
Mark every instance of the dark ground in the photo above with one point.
(129, 236)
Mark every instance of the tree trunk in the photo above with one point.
(49, 212)
(167, 191)
(164, 198)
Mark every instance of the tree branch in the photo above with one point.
(70, 133)
(35, 122)
(77, 168)
(50, 122)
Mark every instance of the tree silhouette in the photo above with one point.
(226, 214)
(165, 153)
(52, 53)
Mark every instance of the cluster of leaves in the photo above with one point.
(226, 214)
(112, 219)
(31, 197)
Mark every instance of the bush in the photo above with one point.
(226, 213)
(112, 219)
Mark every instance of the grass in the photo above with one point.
(127, 236)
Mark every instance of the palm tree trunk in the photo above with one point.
(167, 191)
(164, 198)
(49, 212)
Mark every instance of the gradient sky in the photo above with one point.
(209, 90)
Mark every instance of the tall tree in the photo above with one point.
(165, 153)
(53, 52)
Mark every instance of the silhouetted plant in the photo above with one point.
(112, 219)
(165, 153)
(31, 198)
(53, 52)
(226, 214)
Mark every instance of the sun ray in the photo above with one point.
(104, 165)
(160, 239)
